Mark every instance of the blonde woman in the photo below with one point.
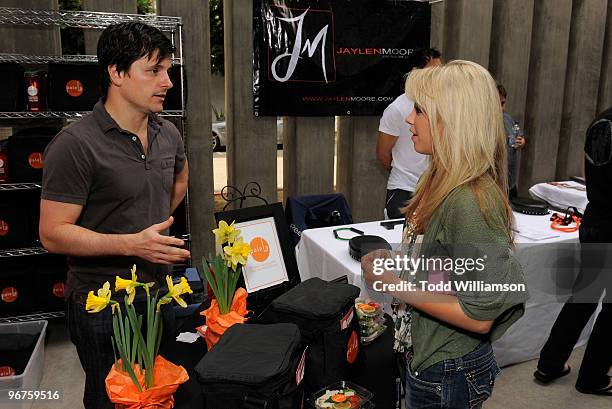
(469, 288)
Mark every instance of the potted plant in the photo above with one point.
(140, 377)
(222, 272)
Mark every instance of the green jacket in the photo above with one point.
(458, 231)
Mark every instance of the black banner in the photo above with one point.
(333, 57)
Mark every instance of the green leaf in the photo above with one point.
(128, 339)
(130, 372)
(114, 352)
(121, 338)
(136, 324)
(159, 336)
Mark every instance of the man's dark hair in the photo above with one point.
(122, 44)
(421, 56)
(502, 90)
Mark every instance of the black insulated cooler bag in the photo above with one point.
(325, 313)
(254, 367)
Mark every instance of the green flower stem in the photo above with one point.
(121, 348)
(141, 349)
(159, 336)
(114, 353)
(223, 283)
(127, 341)
(134, 351)
(152, 334)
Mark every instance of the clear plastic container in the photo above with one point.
(32, 374)
(365, 340)
(371, 322)
(363, 394)
(366, 308)
(368, 331)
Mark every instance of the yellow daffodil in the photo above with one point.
(175, 291)
(225, 233)
(237, 253)
(130, 285)
(96, 303)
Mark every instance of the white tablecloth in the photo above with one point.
(321, 255)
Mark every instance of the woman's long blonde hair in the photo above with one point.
(468, 138)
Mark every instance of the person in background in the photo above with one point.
(394, 149)
(515, 143)
(110, 183)
(459, 211)
(595, 277)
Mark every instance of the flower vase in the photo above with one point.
(217, 323)
(122, 391)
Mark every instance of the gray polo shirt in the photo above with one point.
(96, 164)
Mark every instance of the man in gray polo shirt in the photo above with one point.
(110, 183)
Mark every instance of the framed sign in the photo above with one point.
(266, 266)
(271, 268)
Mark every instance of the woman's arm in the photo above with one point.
(443, 307)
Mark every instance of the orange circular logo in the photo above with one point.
(260, 249)
(6, 371)
(58, 290)
(353, 348)
(9, 294)
(4, 228)
(74, 88)
(36, 160)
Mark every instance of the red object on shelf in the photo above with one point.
(4, 176)
(36, 90)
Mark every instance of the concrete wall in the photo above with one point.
(251, 141)
(196, 60)
(35, 40)
(113, 6)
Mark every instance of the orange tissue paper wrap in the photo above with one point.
(218, 323)
(125, 395)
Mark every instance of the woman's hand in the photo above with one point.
(373, 273)
(520, 142)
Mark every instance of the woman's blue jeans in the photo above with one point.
(464, 382)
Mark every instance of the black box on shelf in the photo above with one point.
(15, 225)
(174, 96)
(26, 149)
(16, 289)
(12, 97)
(73, 87)
(50, 279)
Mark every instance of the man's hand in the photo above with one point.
(151, 245)
(519, 142)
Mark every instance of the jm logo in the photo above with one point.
(309, 47)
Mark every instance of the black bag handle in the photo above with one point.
(255, 403)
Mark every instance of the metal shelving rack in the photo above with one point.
(32, 317)
(5, 187)
(28, 251)
(69, 114)
(85, 20)
(45, 59)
